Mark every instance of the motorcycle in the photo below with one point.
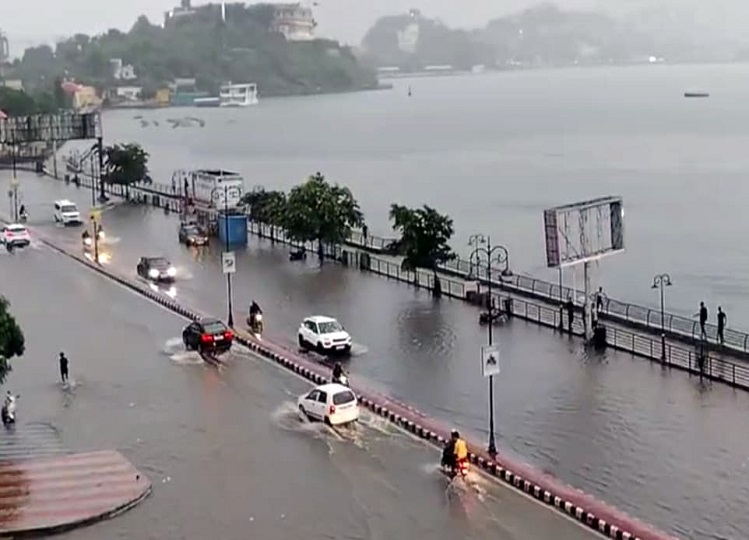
(459, 469)
(255, 323)
(24, 216)
(298, 255)
(8, 411)
(343, 380)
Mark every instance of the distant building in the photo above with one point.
(15, 84)
(4, 48)
(128, 93)
(121, 71)
(294, 21)
(183, 10)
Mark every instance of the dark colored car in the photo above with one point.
(156, 269)
(207, 336)
(191, 235)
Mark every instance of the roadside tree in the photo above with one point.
(266, 207)
(317, 211)
(424, 242)
(124, 164)
(12, 341)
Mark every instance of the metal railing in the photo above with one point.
(734, 373)
(615, 310)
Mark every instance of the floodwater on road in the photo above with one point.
(225, 449)
(655, 443)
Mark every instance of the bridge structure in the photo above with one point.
(30, 140)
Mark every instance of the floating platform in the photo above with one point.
(48, 495)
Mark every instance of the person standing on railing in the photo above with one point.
(721, 325)
(703, 320)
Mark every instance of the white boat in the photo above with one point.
(238, 95)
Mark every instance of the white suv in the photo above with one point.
(66, 212)
(324, 334)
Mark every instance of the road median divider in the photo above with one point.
(545, 488)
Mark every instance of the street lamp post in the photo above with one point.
(483, 249)
(661, 281)
(230, 318)
(14, 182)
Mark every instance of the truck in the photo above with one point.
(216, 188)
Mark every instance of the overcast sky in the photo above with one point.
(33, 21)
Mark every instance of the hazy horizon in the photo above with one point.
(338, 19)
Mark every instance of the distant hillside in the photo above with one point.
(204, 47)
(541, 36)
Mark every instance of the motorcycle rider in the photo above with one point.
(455, 452)
(22, 212)
(337, 372)
(255, 309)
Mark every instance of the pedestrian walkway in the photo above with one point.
(47, 495)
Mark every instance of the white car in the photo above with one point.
(66, 212)
(324, 334)
(331, 403)
(15, 235)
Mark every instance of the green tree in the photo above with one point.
(321, 212)
(266, 207)
(124, 164)
(425, 236)
(12, 341)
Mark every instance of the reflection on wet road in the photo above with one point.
(228, 456)
(648, 441)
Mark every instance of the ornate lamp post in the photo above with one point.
(484, 253)
(661, 281)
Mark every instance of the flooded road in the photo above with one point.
(651, 442)
(226, 451)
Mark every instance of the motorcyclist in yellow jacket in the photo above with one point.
(461, 449)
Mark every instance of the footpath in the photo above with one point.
(589, 511)
(45, 489)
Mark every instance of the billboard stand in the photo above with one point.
(578, 234)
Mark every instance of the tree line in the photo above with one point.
(327, 213)
(202, 46)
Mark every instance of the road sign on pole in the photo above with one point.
(490, 360)
(229, 262)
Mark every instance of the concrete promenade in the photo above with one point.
(48, 495)
(546, 489)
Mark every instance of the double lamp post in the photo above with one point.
(661, 281)
(488, 256)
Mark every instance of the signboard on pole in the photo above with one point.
(229, 262)
(490, 360)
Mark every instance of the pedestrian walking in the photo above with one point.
(63, 367)
(703, 320)
(570, 307)
(721, 324)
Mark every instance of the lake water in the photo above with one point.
(494, 150)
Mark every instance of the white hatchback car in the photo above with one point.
(66, 212)
(331, 403)
(324, 334)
